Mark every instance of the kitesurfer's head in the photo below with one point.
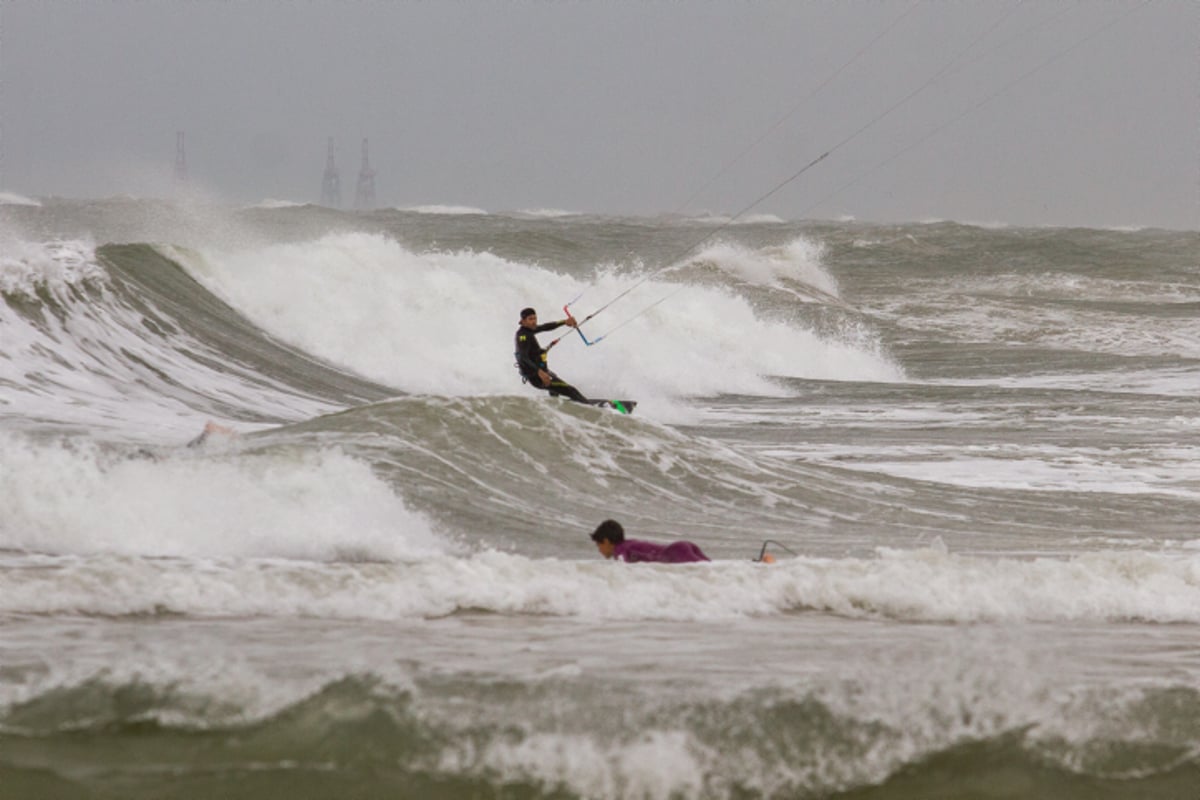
(528, 317)
(607, 536)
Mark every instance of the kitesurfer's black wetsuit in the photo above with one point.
(531, 357)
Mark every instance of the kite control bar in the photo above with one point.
(587, 341)
(763, 556)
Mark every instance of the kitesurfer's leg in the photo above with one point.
(559, 387)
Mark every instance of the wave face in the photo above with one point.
(120, 336)
(972, 451)
(362, 300)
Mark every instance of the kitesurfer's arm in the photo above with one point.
(543, 375)
(549, 326)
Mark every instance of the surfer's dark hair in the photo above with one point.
(610, 530)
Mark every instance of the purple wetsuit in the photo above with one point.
(632, 550)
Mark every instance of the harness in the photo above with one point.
(521, 368)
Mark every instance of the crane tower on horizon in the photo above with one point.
(364, 193)
(331, 183)
(181, 170)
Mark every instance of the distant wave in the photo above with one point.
(748, 219)
(270, 203)
(11, 199)
(991, 225)
(549, 213)
(444, 209)
(797, 264)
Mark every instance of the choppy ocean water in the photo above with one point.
(980, 441)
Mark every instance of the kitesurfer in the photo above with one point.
(611, 542)
(531, 358)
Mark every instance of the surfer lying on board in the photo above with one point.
(531, 358)
(210, 429)
(611, 542)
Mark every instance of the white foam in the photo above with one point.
(26, 266)
(658, 765)
(69, 499)
(443, 322)
(920, 585)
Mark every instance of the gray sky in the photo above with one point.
(621, 107)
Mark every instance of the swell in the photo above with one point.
(526, 474)
(950, 298)
(541, 472)
(566, 738)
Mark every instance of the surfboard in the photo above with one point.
(620, 406)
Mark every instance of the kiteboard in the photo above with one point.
(620, 406)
